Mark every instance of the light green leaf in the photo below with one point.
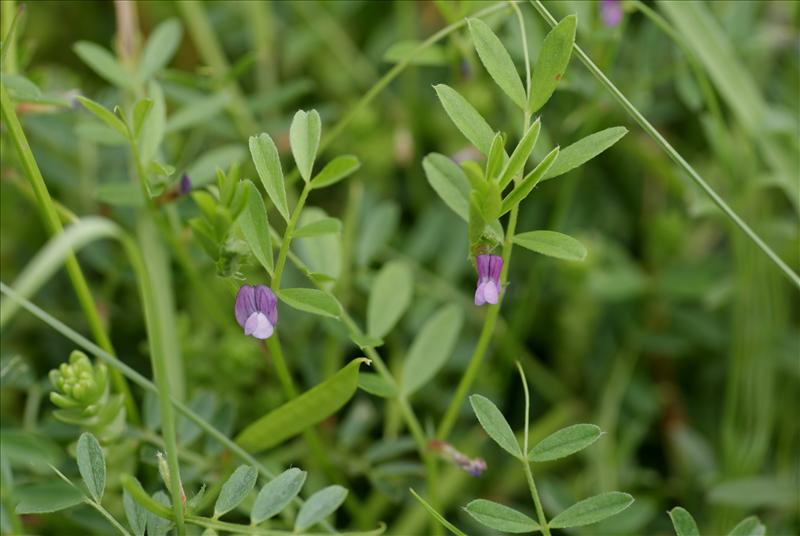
(754, 492)
(154, 127)
(92, 465)
(592, 510)
(255, 227)
(500, 517)
(552, 244)
(302, 412)
(136, 514)
(104, 115)
(749, 526)
(268, 164)
(304, 135)
(318, 227)
(46, 497)
(683, 522)
(277, 494)
(437, 516)
(389, 297)
(197, 111)
(449, 181)
(310, 300)
(584, 150)
(495, 161)
(466, 118)
(431, 348)
(523, 150)
(376, 385)
(160, 47)
(497, 61)
(376, 231)
(336, 170)
(21, 88)
(102, 62)
(322, 254)
(526, 186)
(495, 424)
(235, 489)
(552, 63)
(319, 506)
(565, 442)
(204, 169)
(432, 55)
(141, 111)
(157, 525)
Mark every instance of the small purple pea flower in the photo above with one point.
(473, 466)
(257, 311)
(611, 12)
(489, 268)
(185, 186)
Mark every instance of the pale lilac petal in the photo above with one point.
(258, 326)
(267, 303)
(479, 298)
(490, 292)
(482, 263)
(611, 11)
(245, 304)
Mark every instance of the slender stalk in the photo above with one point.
(10, 18)
(106, 514)
(528, 473)
(141, 381)
(53, 225)
(287, 238)
(673, 154)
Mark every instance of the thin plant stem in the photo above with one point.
(673, 154)
(287, 238)
(528, 473)
(52, 222)
(141, 381)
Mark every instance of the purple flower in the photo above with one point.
(185, 186)
(489, 268)
(257, 311)
(473, 466)
(611, 12)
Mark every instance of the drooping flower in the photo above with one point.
(185, 186)
(257, 311)
(474, 466)
(489, 268)
(611, 12)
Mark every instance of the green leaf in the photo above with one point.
(526, 186)
(376, 231)
(322, 226)
(565, 442)
(104, 115)
(552, 244)
(92, 465)
(310, 300)
(154, 127)
(197, 111)
(268, 164)
(255, 227)
(431, 348)
(322, 254)
(683, 522)
(494, 163)
(157, 525)
(140, 113)
(497, 61)
(376, 385)
(319, 506)
(592, 510)
(235, 489)
(136, 514)
(449, 181)
(365, 341)
(389, 297)
(204, 169)
(437, 516)
(466, 118)
(160, 47)
(755, 492)
(302, 412)
(277, 494)
(46, 497)
(337, 169)
(400, 51)
(102, 62)
(495, 424)
(552, 62)
(584, 150)
(304, 135)
(523, 150)
(500, 517)
(749, 526)
(21, 88)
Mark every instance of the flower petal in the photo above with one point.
(482, 265)
(258, 326)
(495, 267)
(245, 304)
(479, 299)
(490, 292)
(267, 303)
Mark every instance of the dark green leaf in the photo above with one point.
(524, 188)
(495, 424)
(268, 164)
(255, 227)
(552, 63)
(552, 244)
(584, 150)
(497, 61)
(500, 517)
(565, 442)
(466, 118)
(592, 510)
(337, 169)
(92, 465)
(683, 522)
(304, 135)
(449, 181)
(523, 150)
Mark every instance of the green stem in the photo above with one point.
(535, 495)
(141, 381)
(52, 222)
(287, 238)
(106, 514)
(527, 465)
(10, 20)
(673, 154)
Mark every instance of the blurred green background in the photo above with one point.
(676, 336)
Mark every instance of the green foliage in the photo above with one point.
(552, 62)
(500, 517)
(235, 489)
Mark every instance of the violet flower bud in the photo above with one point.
(257, 311)
(611, 12)
(489, 268)
(473, 466)
(185, 186)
